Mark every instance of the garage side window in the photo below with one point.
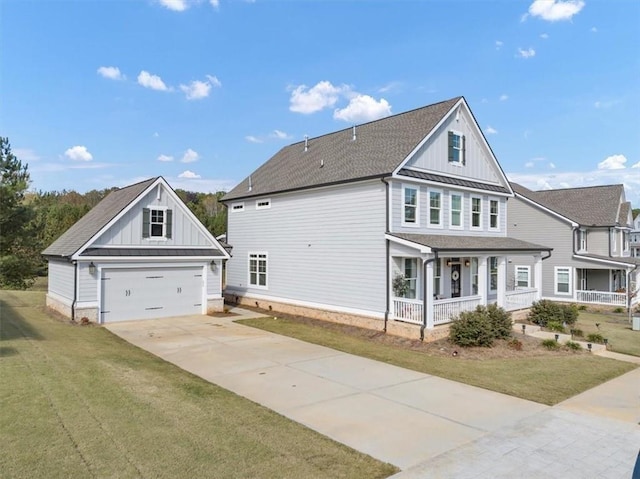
(156, 223)
(258, 270)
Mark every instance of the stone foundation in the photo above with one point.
(215, 305)
(58, 306)
(396, 328)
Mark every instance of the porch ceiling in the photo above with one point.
(459, 243)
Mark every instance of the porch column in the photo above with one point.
(482, 279)
(502, 280)
(428, 289)
(537, 275)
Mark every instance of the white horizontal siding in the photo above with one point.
(61, 275)
(214, 280)
(324, 246)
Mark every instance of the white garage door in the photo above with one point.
(143, 293)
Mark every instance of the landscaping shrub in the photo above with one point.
(544, 311)
(500, 320)
(550, 344)
(582, 307)
(618, 309)
(595, 338)
(555, 326)
(515, 344)
(481, 326)
(573, 345)
(578, 333)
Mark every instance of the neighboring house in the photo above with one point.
(634, 238)
(588, 229)
(401, 218)
(140, 253)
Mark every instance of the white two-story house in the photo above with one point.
(401, 219)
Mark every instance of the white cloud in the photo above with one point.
(214, 3)
(504, 97)
(252, 139)
(637, 165)
(605, 104)
(175, 5)
(188, 174)
(190, 156)
(165, 158)
(528, 53)
(78, 153)
(112, 73)
(280, 135)
(154, 82)
(555, 10)
(490, 130)
(528, 164)
(363, 108)
(25, 155)
(390, 87)
(310, 100)
(613, 162)
(544, 36)
(499, 44)
(197, 89)
(552, 165)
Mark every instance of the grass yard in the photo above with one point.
(539, 376)
(613, 326)
(79, 402)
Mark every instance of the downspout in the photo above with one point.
(424, 292)
(387, 249)
(629, 292)
(75, 290)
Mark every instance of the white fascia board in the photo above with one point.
(423, 249)
(150, 259)
(547, 210)
(611, 262)
(407, 179)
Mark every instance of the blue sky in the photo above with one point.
(95, 94)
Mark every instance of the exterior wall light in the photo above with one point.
(92, 268)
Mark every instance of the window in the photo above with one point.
(411, 214)
(437, 276)
(258, 270)
(156, 223)
(476, 212)
(474, 276)
(411, 276)
(582, 240)
(523, 277)
(263, 204)
(625, 240)
(456, 148)
(493, 273)
(237, 207)
(562, 280)
(456, 211)
(435, 208)
(494, 214)
(613, 241)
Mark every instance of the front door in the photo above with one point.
(455, 280)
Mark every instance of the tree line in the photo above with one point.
(30, 221)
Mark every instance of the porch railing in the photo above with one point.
(519, 298)
(444, 310)
(601, 297)
(409, 310)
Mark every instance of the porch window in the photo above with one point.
(582, 240)
(494, 214)
(474, 276)
(476, 212)
(437, 277)
(493, 273)
(435, 208)
(455, 211)
(410, 216)
(562, 280)
(411, 277)
(258, 270)
(523, 276)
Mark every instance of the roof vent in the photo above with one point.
(306, 142)
(321, 163)
(250, 186)
(354, 133)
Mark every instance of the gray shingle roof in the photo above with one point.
(588, 206)
(86, 227)
(452, 181)
(379, 148)
(454, 243)
(623, 217)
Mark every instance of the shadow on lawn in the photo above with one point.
(14, 326)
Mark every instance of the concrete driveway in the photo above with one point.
(425, 425)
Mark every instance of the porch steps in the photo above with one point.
(536, 332)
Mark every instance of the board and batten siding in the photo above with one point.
(61, 276)
(397, 201)
(479, 162)
(127, 231)
(324, 246)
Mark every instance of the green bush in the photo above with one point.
(573, 345)
(555, 326)
(515, 344)
(582, 307)
(618, 309)
(550, 344)
(501, 323)
(595, 338)
(481, 327)
(544, 311)
(578, 333)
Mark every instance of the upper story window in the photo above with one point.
(410, 215)
(476, 212)
(156, 223)
(235, 207)
(455, 210)
(435, 208)
(614, 242)
(263, 204)
(582, 239)
(494, 214)
(625, 240)
(456, 148)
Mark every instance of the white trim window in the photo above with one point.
(474, 276)
(562, 280)
(614, 243)
(456, 148)
(582, 240)
(157, 222)
(625, 241)
(263, 204)
(494, 214)
(411, 276)
(411, 206)
(455, 211)
(476, 213)
(522, 277)
(493, 274)
(237, 207)
(437, 277)
(435, 208)
(258, 270)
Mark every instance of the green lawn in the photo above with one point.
(547, 380)
(613, 326)
(76, 402)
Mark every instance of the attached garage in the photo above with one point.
(143, 293)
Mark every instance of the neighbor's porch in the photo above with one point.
(606, 287)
